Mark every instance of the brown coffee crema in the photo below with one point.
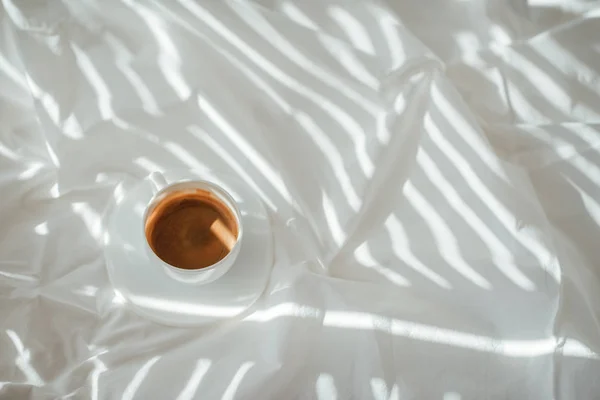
(191, 229)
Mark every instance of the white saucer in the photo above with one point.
(157, 296)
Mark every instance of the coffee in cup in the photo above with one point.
(191, 229)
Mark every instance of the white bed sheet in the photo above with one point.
(431, 170)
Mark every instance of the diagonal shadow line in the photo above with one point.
(204, 137)
(565, 147)
(173, 148)
(545, 79)
(428, 273)
(138, 378)
(524, 87)
(114, 45)
(370, 257)
(298, 14)
(327, 148)
(168, 152)
(584, 227)
(456, 115)
(587, 202)
(260, 161)
(98, 85)
(399, 242)
(340, 51)
(322, 73)
(168, 56)
(577, 162)
(575, 179)
(353, 29)
(197, 375)
(123, 58)
(188, 157)
(558, 145)
(440, 188)
(585, 24)
(475, 178)
(487, 211)
(76, 38)
(236, 380)
(23, 360)
(13, 73)
(391, 267)
(358, 68)
(346, 121)
(391, 27)
(276, 40)
(294, 13)
(190, 160)
(233, 163)
(543, 62)
(234, 60)
(45, 105)
(441, 156)
(445, 241)
(263, 85)
(279, 42)
(373, 209)
(41, 99)
(359, 65)
(363, 258)
(575, 170)
(406, 264)
(319, 199)
(98, 367)
(169, 149)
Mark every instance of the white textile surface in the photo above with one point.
(431, 170)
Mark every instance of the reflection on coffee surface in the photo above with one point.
(191, 229)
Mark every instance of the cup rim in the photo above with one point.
(224, 196)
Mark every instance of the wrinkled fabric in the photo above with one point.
(431, 172)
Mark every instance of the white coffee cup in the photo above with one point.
(205, 274)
